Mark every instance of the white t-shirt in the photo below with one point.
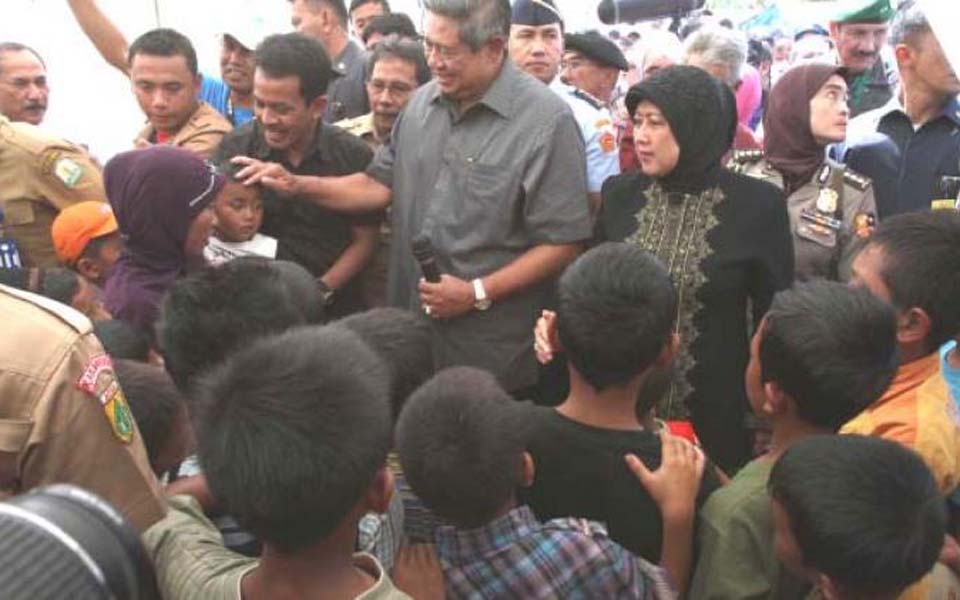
(219, 252)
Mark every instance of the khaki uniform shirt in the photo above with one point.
(201, 134)
(63, 418)
(831, 216)
(362, 127)
(40, 175)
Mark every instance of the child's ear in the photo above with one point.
(913, 326)
(776, 401)
(88, 269)
(828, 589)
(380, 491)
(527, 470)
(670, 350)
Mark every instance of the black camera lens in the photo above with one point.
(62, 542)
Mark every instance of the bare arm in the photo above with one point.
(353, 260)
(109, 41)
(535, 265)
(356, 193)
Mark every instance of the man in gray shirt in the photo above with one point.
(489, 165)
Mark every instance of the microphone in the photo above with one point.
(426, 258)
(629, 11)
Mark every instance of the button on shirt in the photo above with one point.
(347, 94)
(906, 164)
(599, 135)
(306, 234)
(485, 187)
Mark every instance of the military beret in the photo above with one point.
(597, 48)
(535, 13)
(864, 11)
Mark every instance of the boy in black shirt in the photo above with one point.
(616, 322)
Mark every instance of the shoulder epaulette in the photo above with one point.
(588, 99)
(856, 180)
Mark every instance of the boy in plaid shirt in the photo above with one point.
(461, 441)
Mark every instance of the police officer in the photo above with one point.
(536, 47)
(63, 417)
(39, 176)
(832, 209)
(859, 31)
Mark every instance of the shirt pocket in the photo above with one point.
(492, 195)
(19, 212)
(14, 435)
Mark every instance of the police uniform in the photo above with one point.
(63, 417)
(201, 134)
(40, 175)
(831, 216)
(599, 135)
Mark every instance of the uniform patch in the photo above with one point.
(68, 171)
(945, 204)
(827, 201)
(608, 142)
(99, 381)
(864, 224)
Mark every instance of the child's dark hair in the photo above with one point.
(831, 347)
(617, 311)
(154, 401)
(292, 431)
(122, 341)
(864, 511)
(921, 267)
(55, 283)
(460, 438)
(211, 313)
(404, 341)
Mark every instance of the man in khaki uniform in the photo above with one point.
(831, 216)
(40, 175)
(63, 417)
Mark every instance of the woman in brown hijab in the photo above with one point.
(832, 209)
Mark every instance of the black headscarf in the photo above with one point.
(702, 113)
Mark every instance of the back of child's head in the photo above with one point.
(121, 341)
(159, 410)
(864, 512)
(292, 431)
(921, 267)
(461, 440)
(404, 341)
(55, 283)
(832, 348)
(213, 312)
(617, 311)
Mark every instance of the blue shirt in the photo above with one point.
(950, 374)
(217, 94)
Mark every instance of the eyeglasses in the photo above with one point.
(395, 89)
(446, 53)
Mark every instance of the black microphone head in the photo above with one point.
(422, 247)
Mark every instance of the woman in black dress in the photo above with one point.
(724, 237)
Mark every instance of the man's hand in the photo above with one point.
(196, 486)
(448, 299)
(272, 176)
(673, 486)
(417, 572)
(546, 343)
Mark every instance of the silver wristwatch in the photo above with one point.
(481, 301)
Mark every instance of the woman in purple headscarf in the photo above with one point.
(162, 198)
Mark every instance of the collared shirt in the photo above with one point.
(192, 563)
(40, 175)
(515, 556)
(599, 135)
(201, 134)
(363, 128)
(906, 163)
(216, 93)
(347, 94)
(306, 234)
(950, 373)
(916, 411)
(871, 89)
(485, 187)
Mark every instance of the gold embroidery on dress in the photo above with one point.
(675, 228)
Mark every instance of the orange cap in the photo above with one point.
(76, 225)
